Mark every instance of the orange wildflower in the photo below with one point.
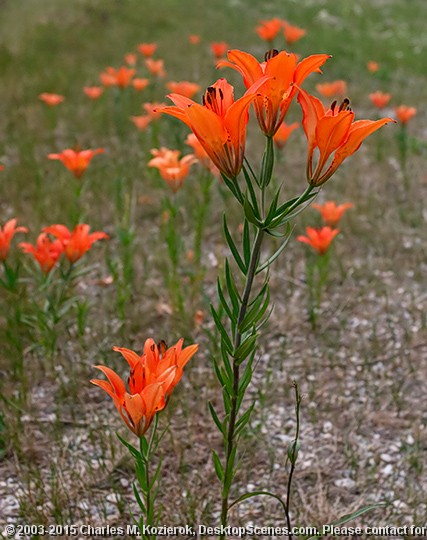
(219, 49)
(372, 66)
(184, 88)
(200, 153)
(153, 109)
(156, 67)
(380, 99)
(51, 99)
(332, 131)
(76, 243)
(130, 59)
(331, 89)
(6, 234)
(46, 252)
(171, 168)
(292, 33)
(93, 92)
(283, 133)
(117, 77)
(142, 121)
(194, 39)
(139, 84)
(319, 239)
(219, 124)
(76, 161)
(268, 30)
(153, 376)
(405, 113)
(147, 49)
(283, 75)
(331, 212)
(1, 167)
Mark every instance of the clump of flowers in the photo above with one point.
(7, 232)
(172, 169)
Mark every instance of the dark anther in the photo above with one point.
(162, 347)
(270, 54)
(344, 105)
(333, 105)
(221, 94)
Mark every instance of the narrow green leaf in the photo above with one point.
(224, 303)
(246, 243)
(256, 494)
(273, 257)
(227, 363)
(221, 329)
(258, 309)
(215, 418)
(252, 193)
(138, 499)
(230, 469)
(234, 187)
(233, 293)
(245, 348)
(293, 450)
(233, 248)
(218, 466)
(251, 214)
(273, 207)
(243, 420)
(135, 453)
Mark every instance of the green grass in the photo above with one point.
(363, 370)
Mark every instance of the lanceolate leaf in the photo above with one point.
(243, 420)
(246, 243)
(224, 302)
(233, 248)
(222, 330)
(218, 466)
(245, 349)
(215, 418)
(271, 259)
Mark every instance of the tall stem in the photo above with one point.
(229, 466)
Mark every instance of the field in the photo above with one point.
(358, 351)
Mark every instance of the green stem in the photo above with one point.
(293, 458)
(230, 442)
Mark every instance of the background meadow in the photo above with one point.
(362, 369)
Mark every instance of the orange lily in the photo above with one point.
(380, 99)
(93, 92)
(330, 89)
(219, 124)
(51, 99)
(153, 375)
(331, 212)
(76, 243)
(277, 93)
(405, 113)
(46, 252)
(332, 131)
(6, 234)
(142, 121)
(292, 33)
(283, 133)
(156, 67)
(117, 77)
(194, 39)
(373, 67)
(147, 49)
(130, 59)
(200, 153)
(185, 88)
(319, 239)
(268, 30)
(171, 168)
(76, 161)
(140, 84)
(219, 49)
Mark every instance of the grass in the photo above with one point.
(362, 371)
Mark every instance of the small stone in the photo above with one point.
(346, 483)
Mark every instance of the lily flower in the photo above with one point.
(93, 92)
(194, 39)
(332, 131)
(52, 100)
(185, 88)
(117, 77)
(292, 33)
(373, 66)
(171, 168)
(147, 49)
(405, 113)
(268, 30)
(76, 161)
(330, 89)
(331, 212)
(219, 49)
(319, 239)
(6, 234)
(283, 133)
(200, 153)
(140, 84)
(156, 67)
(153, 375)
(219, 124)
(46, 252)
(284, 75)
(380, 99)
(77, 242)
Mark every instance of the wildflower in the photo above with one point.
(194, 39)
(292, 33)
(319, 239)
(156, 67)
(283, 133)
(76, 161)
(380, 99)
(219, 49)
(139, 84)
(46, 252)
(51, 99)
(1, 167)
(283, 75)
(219, 124)
(153, 109)
(93, 92)
(130, 59)
(268, 30)
(147, 49)
(330, 89)
(171, 168)
(372, 66)
(405, 113)
(117, 77)
(153, 376)
(331, 212)
(76, 243)
(6, 234)
(200, 153)
(142, 121)
(332, 131)
(184, 88)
